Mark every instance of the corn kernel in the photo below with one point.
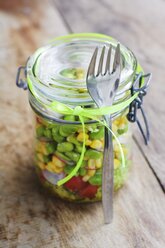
(85, 178)
(98, 163)
(80, 137)
(58, 170)
(91, 172)
(88, 142)
(125, 151)
(116, 122)
(40, 157)
(57, 162)
(114, 128)
(52, 168)
(41, 165)
(91, 164)
(116, 163)
(117, 155)
(96, 144)
(43, 149)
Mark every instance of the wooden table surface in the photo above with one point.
(28, 216)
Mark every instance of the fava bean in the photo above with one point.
(78, 148)
(55, 130)
(73, 140)
(96, 179)
(62, 132)
(62, 156)
(73, 156)
(40, 131)
(90, 153)
(97, 135)
(65, 147)
(48, 133)
(56, 136)
(50, 148)
(67, 130)
(82, 171)
(122, 129)
(68, 168)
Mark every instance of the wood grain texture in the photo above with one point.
(29, 217)
(140, 26)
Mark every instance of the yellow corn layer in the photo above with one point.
(91, 172)
(98, 163)
(91, 163)
(88, 142)
(57, 162)
(41, 165)
(53, 168)
(96, 144)
(116, 163)
(80, 137)
(86, 178)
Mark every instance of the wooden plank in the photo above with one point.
(30, 217)
(139, 25)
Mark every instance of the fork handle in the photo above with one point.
(107, 175)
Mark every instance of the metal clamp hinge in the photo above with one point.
(21, 83)
(138, 102)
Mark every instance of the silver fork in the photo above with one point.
(102, 86)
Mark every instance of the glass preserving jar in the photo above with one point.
(57, 72)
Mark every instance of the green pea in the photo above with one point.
(82, 171)
(69, 118)
(50, 148)
(73, 156)
(73, 140)
(62, 156)
(65, 147)
(97, 135)
(93, 154)
(40, 131)
(96, 179)
(48, 133)
(68, 168)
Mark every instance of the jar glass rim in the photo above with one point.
(46, 93)
(40, 67)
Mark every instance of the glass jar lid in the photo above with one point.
(58, 70)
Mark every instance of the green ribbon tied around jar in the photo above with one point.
(91, 113)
